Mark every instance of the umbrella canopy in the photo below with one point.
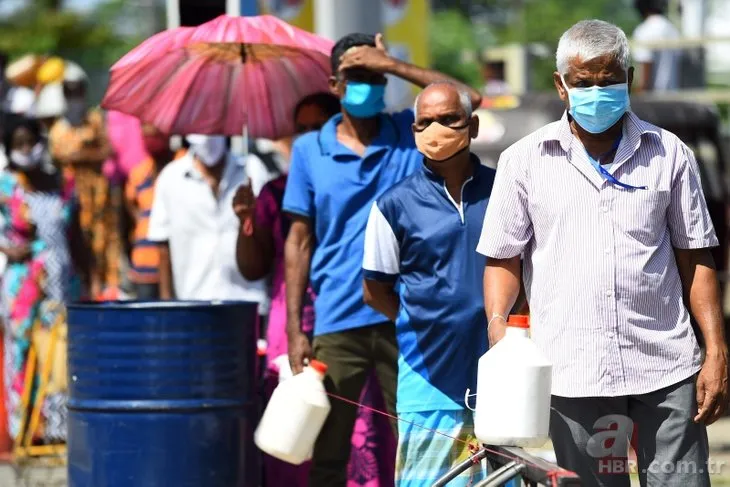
(221, 76)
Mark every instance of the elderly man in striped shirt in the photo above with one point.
(609, 216)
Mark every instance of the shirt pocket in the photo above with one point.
(642, 215)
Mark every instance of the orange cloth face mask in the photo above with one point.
(438, 142)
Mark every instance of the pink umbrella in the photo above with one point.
(221, 76)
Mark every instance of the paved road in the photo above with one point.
(33, 477)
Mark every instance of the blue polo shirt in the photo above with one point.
(418, 234)
(334, 188)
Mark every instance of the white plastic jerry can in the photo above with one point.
(282, 363)
(513, 390)
(294, 416)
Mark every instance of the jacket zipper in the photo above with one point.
(462, 207)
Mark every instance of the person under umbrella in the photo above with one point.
(193, 224)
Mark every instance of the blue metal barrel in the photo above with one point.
(162, 394)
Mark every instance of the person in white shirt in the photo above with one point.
(659, 67)
(193, 222)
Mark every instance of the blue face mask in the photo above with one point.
(363, 100)
(598, 108)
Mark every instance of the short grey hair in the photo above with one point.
(464, 97)
(589, 39)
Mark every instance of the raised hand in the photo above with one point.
(244, 202)
(367, 57)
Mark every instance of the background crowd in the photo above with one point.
(78, 187)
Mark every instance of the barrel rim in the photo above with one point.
(158, 305)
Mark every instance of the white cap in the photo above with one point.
(73, 73)
(20, 100)
(51, 102)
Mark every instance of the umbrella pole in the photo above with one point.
(245, 140)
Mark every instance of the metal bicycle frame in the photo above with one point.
(510, 462)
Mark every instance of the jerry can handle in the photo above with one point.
(466, 399)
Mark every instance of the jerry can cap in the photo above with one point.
(519, 321)
(320, 367)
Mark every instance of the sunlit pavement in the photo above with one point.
(37, 476)
(719, 435)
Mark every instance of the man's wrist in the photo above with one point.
(716, 351)
(496, 318)
(244, 214)
(390, 65)
(294, 329)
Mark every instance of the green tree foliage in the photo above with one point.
(454, 46)
(43, 28)
(544, 21)
(527, 22)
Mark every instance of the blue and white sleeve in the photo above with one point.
(381, 261)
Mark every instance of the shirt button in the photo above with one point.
(607, 250)
(609, 334)
(609, 293)
(604, 209)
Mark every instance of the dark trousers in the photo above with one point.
(351, 356)
(147, 292)
(671, 449)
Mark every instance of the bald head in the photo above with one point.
(445, 103)
(443, 93)
(444, 124)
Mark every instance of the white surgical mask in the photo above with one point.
(208, 149)
(28, 161)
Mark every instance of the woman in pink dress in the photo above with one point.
(260, 253)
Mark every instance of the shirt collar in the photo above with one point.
(231, 159)
(634, 128)
(387, 138)
(432, 176)
(232, 162)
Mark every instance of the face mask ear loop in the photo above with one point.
(565, 85)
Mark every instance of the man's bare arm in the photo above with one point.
(166, 282)
(702, 295)
(501, 291)
(297, 257)
(381, 297)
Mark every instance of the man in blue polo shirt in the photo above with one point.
(424, 232)
(335, 176)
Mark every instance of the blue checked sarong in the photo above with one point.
(424, 456)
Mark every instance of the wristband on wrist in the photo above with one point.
(496, 316)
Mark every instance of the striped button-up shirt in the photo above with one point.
(601, 278)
